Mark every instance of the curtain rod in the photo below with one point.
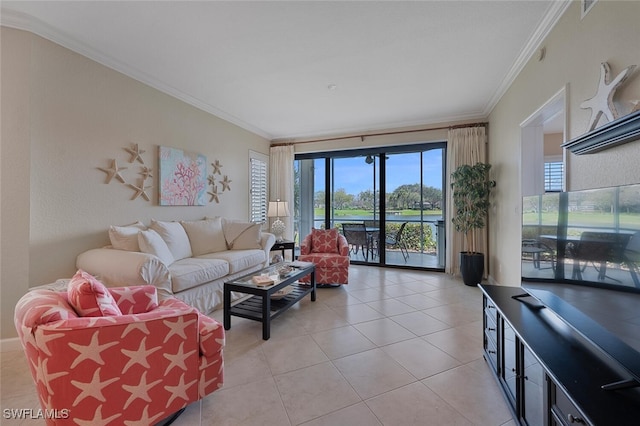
(458, 126)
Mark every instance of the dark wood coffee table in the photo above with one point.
(260, 306)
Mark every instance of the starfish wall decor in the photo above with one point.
(602, 102)
(140, 189)
(225, 182)
(114, 172)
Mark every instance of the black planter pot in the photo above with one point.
(471, 268)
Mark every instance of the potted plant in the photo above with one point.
(471, 189)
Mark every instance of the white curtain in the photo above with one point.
(467, 145)
(281, 179)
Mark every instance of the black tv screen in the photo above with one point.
(589, 237)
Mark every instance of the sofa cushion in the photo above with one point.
(191, 272)
(89, 297)
(241, 235)
(324, 240)
(175, 236)
(205, 235)
(126, 237)
(152, 243)
(238, 260)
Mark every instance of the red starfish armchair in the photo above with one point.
(329, 251)
(133, 362)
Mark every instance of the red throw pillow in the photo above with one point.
(90, 298)
(324, 240)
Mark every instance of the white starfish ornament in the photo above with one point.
(136, 153)
(145, 172)
(214, 194)
(602, 102)
(226, 183)
(113, 171)
(216, 167)
(141, 191)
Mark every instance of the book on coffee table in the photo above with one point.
(262, 280)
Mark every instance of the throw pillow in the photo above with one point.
(152, 243)
(242, 235)
(175, 236)
(126, 237)
(206, 236)
(324, 240)
(89, 297)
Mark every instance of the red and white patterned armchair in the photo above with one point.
(127, 360)
(329, 251)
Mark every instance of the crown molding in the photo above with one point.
(22, 21)
(555, 11)
(383, 127)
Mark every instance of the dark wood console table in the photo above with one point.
(549, 372)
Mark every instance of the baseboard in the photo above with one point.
(9, 345)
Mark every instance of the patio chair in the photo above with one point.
(596, 248)
(538, 251)
(356, 235)
(395, 241)
(373, 233)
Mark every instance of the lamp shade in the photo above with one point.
(278, 209)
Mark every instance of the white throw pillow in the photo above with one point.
(242, 235)
(151, 242)
(126, 237)
(206, 236)
(175, 236)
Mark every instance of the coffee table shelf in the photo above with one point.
(252, 308)
(260, 307)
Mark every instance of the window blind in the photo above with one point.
(258, 191)
(553, 176)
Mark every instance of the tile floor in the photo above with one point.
(394, 347)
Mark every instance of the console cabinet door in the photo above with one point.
(533, 389)
(523, 379)
(508, 353)
(490, 334)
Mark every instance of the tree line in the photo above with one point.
(403, 197)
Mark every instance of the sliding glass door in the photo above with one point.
(355, 196)
(391, 200)
(413, 209)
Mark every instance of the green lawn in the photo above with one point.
(627, 220)
(360, 212)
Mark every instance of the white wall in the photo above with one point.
(574, 50)
(63, 116)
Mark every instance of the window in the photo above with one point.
(553, 175)
(383, 188)
(258, 173)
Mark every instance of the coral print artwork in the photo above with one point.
(183, 178)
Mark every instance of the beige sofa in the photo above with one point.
(189, 260)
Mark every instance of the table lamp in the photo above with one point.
(278, 209)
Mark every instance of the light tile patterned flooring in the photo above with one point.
(394, 347)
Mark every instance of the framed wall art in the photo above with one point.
(183, 178)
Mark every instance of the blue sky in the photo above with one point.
(355, 175)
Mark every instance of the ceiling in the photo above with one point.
(303, 69)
